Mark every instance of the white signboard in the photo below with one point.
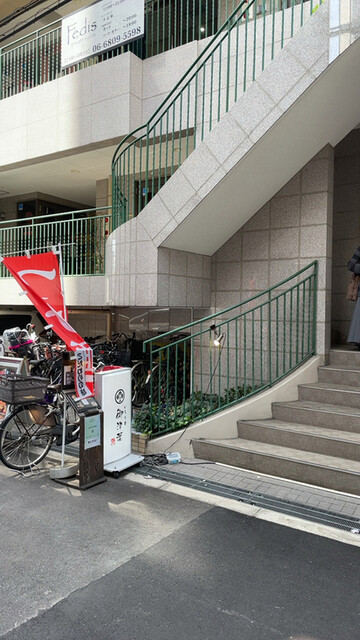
(100, 27)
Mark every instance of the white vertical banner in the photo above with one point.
(102, 26)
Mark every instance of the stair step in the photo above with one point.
(318, 415)
(349, 356)
(337, 394)
(330, 442)
(340, 374)
(303, 466)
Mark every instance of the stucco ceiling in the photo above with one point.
(71, 178)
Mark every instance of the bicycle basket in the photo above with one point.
(16, 389)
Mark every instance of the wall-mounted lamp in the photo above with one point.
(219, 337)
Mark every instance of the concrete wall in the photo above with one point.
(95, 106)
(289, 232)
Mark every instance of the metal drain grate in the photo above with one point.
(314, 514)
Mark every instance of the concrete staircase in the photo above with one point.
(315, 439)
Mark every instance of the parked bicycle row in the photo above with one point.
(43, 356)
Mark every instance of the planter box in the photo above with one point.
(138, 442)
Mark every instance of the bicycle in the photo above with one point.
(31, 428)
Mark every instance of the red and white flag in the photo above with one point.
(39, 276)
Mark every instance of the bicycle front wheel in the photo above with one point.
(139, 387)
(25, 437)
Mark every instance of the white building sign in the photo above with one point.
(100, 27)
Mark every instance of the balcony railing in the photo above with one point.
(81, 234)
(248, 40)
(211, 364)
(36, 58)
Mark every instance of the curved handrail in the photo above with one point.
(129, 142)
(215, 362)
(148, 156)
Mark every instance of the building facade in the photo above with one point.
(243, 170)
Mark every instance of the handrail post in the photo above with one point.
(315, 306)
(269, 338)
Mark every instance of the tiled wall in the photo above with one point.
(346, 229)
(289, 232)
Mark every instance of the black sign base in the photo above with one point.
(91, 458)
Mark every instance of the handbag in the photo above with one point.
(352, 290)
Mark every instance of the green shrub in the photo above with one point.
(157, 419)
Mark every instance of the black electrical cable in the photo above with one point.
(38, 16)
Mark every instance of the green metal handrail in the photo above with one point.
(247, 41)
(82, 237)
(260, 341)
(36, 58)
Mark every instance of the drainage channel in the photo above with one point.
(313, 514)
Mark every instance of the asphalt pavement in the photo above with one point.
(132, 558)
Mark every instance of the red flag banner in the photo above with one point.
(39, 276)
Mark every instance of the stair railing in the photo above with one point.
(206, 366)
(248, 40)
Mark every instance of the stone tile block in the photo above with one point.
(206, 294)
(313, 241)
(176, 192)
(154, 217)
(282, 269)
(163, 260)
(285, 211)
(255, 245)
(254, 276)
(225, 138)
(315, 208)
(281, 75)
(146, 290)
(252, 107)
(187, 208)
(238, 154)
(41, 137)
(265, 124)
(194, 268)
(315, 176)
(166, 231)
(212, 182)
(231, 250)
(146, 258)
(199, 166)
(74, 128)
(73, 91)
(228, 276)
(13, 112)
(177, 291)
(194, 288)
(284, 243)
(178, 262)
(163, 290)
(310, 43)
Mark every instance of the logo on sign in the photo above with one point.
(119, 396)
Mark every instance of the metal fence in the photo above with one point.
(36, 58)
(208, 365)
(82, 235)
(250, 37)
